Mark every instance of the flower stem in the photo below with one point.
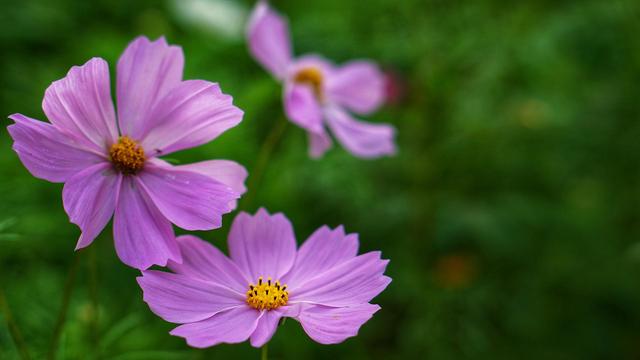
(66, 299)
(13, 327)
(264, 352)
(266, 150)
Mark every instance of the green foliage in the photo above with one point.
(511, 213)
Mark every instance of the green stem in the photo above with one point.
(264, 352)
(62, 314)
(266, 150)
(13, 327)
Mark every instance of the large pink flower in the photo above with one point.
(317, 93)
(112, 166)
(324, 285)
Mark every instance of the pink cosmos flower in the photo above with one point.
(317, 93)
(112, 167)
(324, 284)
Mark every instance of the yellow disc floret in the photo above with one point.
(267, 295)
(313, 77)
(127, 156)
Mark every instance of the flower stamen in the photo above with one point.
(127, 156)
(267, 296)
(313, 77)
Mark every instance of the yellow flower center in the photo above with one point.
(267, 295)
(127, 156)
(313, 77)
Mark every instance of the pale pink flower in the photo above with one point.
(325, 285)
(109, 164)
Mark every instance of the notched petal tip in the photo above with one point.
(340, 230)
(262, 214)
(17, 117)
(94, 61)
(140, 279)
(145, 39)
(262, 211)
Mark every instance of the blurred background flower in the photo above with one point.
(320, 95)
(518, 137)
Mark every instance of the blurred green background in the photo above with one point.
(511, 214)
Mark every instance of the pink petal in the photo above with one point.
(227, 172)
(80, 105)
(142, 235)
(267, 326)
(190, 200)
(89, 199)
(322, 251)
(204, 261)
(262, 245)
(182, 299)
(352, 282)
(362, 139)
(193, 113)
(47, 153)
(231, 326)
(269, 41)
(302, 108)
(328, 325)
(319, 143)
(146, 72)
(358, 86)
